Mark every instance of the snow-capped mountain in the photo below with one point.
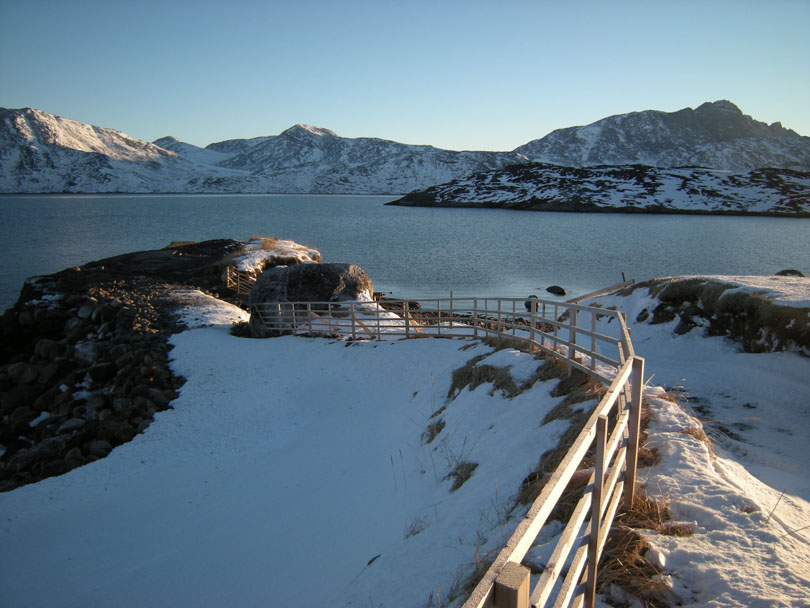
(40, 152)
(628, 188)
(715, 135)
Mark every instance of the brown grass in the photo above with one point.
(433, 429)
(460, 474)
(699, 434)
(623, 564)
(623, 560)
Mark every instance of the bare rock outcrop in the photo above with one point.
(304, 283)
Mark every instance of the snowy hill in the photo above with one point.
(629, 188)
(40, 152)
(310, 159)
(716, 135)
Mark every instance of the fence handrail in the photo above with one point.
(544, 326)
(239, 281)
(506, 584)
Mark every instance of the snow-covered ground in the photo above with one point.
(294, 472)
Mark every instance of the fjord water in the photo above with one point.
(409, 251)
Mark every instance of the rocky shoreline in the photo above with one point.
(84, 361)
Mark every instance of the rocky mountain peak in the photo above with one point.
(302, 130)
(716, 134)
(167, 140)
(722, 105)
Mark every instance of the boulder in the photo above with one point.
(305, 283)
(556, 290)
(790, 272)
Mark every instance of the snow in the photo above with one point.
(684, 190)
(293, 471)
(750, 502)
(259, 251)
(785, 291)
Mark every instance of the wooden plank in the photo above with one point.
(596, 510)
(567, 541)
(527, 530)
(512, 586)
(413, 324)
(601, 292)
(634, 430)
(366, 329)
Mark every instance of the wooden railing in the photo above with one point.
(507, 583)
(237, 281)
(561, 329)
(567, 331)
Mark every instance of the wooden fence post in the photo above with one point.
(572, 334)
(512, 586)
(596, 510)
(354, 317)
(451, 309)
(556, 329)
(475, 317)
(633, 427)
(593, 339)
(309, 316)
(405, 316)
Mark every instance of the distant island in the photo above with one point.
(625, 189)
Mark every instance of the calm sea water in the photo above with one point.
(409, 251)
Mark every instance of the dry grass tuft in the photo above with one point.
(433, 429)
(699, 434)
(570, 497)
(467, 578)
(473, 375)
(623, 564)
(241, 329)
(647, 513)
(623, 561)
(460, 474)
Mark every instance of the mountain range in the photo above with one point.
(41, 152)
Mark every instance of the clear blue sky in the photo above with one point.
(454, 74)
